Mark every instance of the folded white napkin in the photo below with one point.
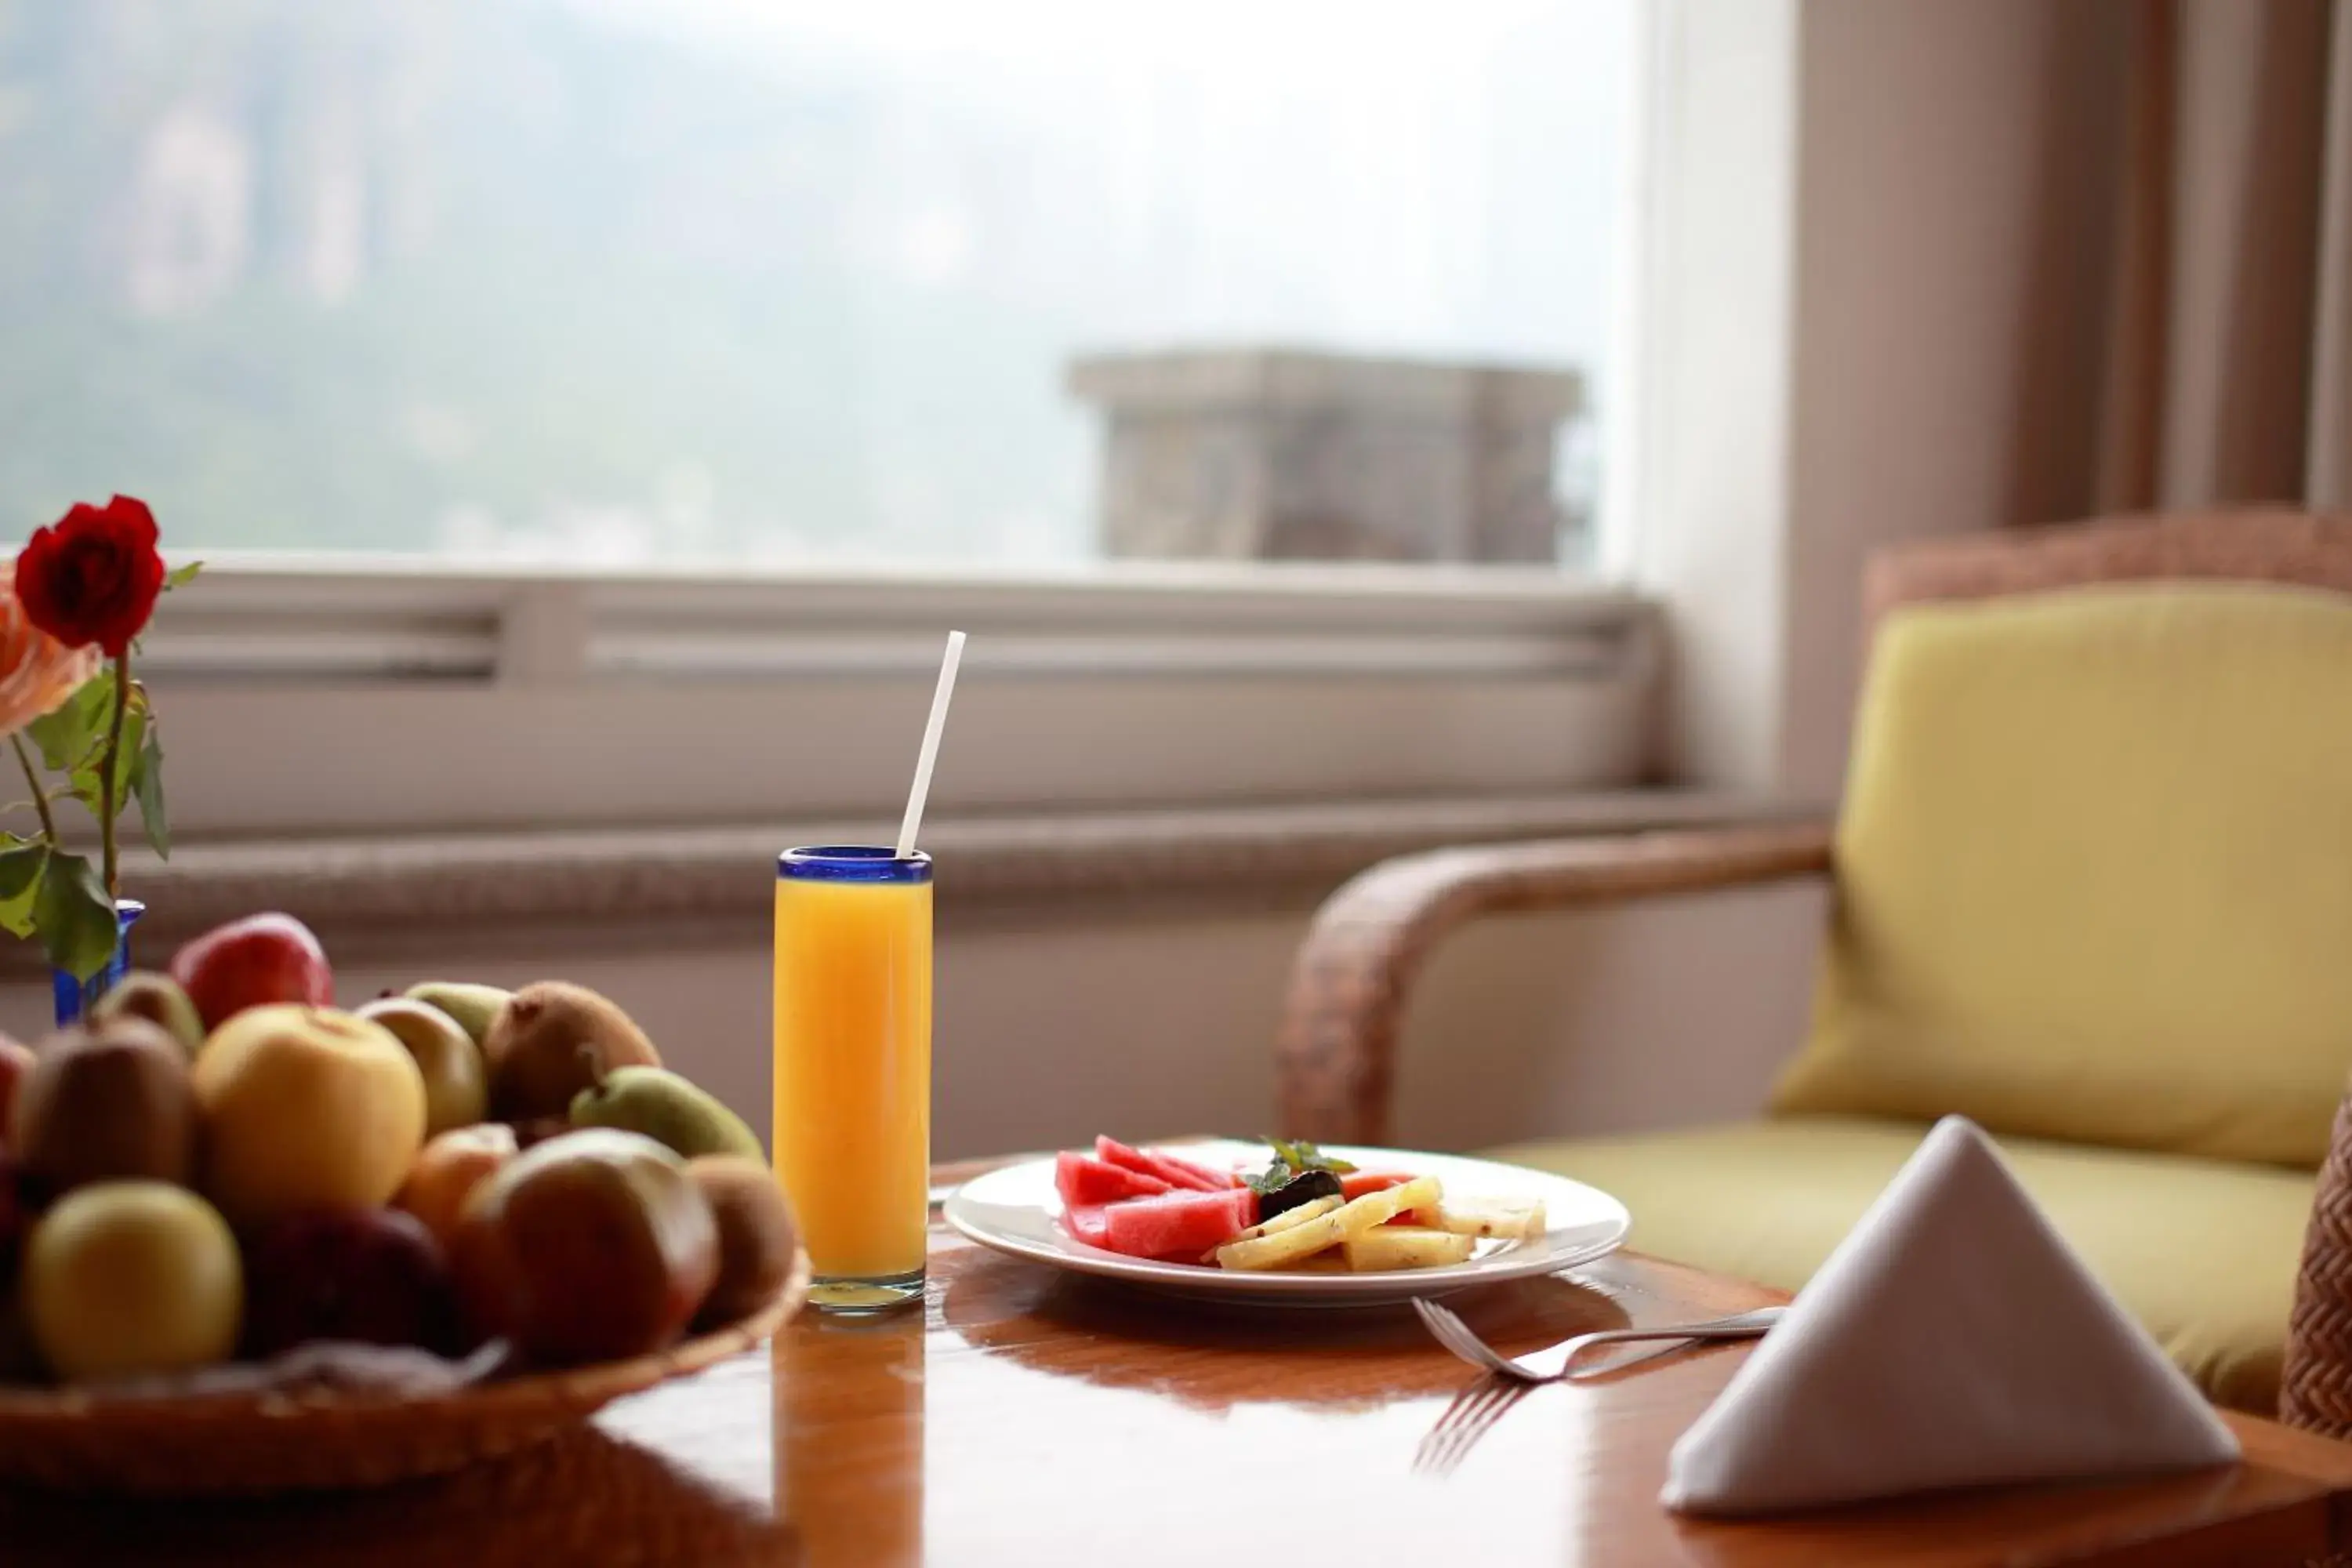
(1951, 1340)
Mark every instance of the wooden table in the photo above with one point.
(1030, 1417)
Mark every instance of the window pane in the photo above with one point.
(633, 280)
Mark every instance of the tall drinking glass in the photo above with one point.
(853, 1066)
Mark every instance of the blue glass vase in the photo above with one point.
(76, 997)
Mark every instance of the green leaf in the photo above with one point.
(75, 917)
(85, 776)
(147, 782)
(1294, 1155)
(21, 866)
(74, 730)
(1271, 1180)
(180, 576)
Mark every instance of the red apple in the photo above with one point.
(374, 1276)
(591, 1246)
(250, 963)
(15, 1061)
(16, 1217)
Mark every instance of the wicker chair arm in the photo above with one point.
(1335, 1053)
(2315, 1385)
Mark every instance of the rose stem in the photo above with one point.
(106, 769)
(40, 797)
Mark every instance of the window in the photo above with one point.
(788, 283)
(594, 411)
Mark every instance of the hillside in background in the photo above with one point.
(407, 275)
(509, 277)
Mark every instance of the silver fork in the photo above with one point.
(1551, 1364)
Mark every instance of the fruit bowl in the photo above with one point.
(227, 1444)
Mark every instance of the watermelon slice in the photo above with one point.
(1213, 1175)
(1082, 1179)
(1085, 1222)
(1182, 1224)
(1175, 1172)
(1356, 1183)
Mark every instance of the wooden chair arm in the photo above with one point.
(1335, 1053)
(2315, 1385)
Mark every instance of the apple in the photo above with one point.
(447, 1170)
(20, 1357)
(15, 1061)
(457, 1085)
(15, 1216)
(304, 1108)
(372, 1276)
(759, 1243)
(532, 1130)
(251, 962)
(590, 1247)
(122, 1277)
(110, 1102)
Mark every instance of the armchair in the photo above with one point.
(2056, 909)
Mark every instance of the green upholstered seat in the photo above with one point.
(2094, 873)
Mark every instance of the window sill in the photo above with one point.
(315, 703)
(680, 887)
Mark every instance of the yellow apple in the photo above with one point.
(305, 1108)
(131, 1277)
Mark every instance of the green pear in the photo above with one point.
(474, 1006)
(666, 1109)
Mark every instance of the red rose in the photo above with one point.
(93, 577)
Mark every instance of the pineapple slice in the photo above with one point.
(1315, 1209)
(1483, 1216)
(1308, 1237)
(1283, 1221)
(1330, 1260)
(1385, 1247)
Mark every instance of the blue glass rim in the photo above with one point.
(853, 863)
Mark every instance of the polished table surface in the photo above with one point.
(1025, 1416)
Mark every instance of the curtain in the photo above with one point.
(2191, 336)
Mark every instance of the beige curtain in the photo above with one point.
(2192, 335)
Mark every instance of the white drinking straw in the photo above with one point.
(930, 753)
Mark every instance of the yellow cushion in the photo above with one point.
(2203, 1252)
(2094, 873)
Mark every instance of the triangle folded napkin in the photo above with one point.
(1952, 1340)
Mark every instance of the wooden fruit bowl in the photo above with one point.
(219, 1444)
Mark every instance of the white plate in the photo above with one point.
(1014, 1209)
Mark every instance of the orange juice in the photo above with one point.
(853, 1066)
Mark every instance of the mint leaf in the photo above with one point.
(147, 784)
(21, 866)
(75, 917)
(1271, 1180)
(1299, 1155)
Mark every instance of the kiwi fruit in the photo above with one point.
(158, 998)
(757, 1238)
(112, 1101)
(551, 1040)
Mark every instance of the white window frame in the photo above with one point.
(304, 697)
